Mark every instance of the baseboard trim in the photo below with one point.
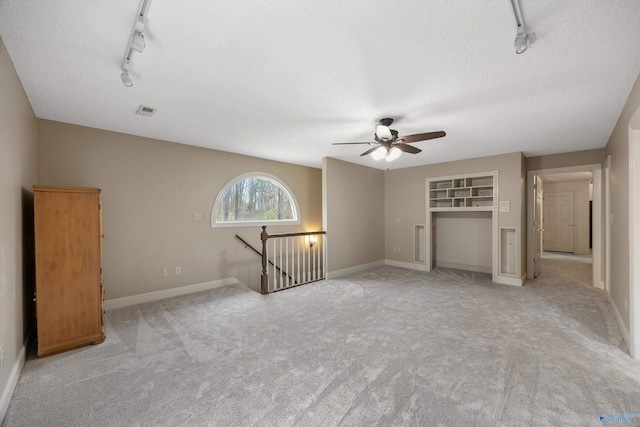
(14, 376)
(404, 264)
(354, 269)
(113, 304)
(623, 329)
(512, 281)
(465, 267)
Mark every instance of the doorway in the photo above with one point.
(564, 215)
(559, 221)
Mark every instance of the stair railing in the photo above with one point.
(301, 255)
(257, 252)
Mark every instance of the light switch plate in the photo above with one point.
(505, 206)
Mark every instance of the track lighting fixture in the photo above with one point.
(136, 42)
(126, 78)
(521, 43)
(523, 40)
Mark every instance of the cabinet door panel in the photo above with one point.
(68, 263)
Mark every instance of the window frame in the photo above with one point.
(252, 223)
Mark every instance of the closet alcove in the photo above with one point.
(462, 229)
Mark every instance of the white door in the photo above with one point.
(559, 221)
(537, 223)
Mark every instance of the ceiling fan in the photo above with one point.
(389, 145)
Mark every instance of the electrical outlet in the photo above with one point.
(165, 272)
(178, 271)
(1, 354)
(197, 216)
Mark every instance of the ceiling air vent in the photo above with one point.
(143, 110)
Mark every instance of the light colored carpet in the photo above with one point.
(385, 347)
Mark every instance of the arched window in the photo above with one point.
(254, 198)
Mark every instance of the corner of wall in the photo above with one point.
(17, 176)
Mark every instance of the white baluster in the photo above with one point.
(280, 264)
(298, 263)
(318, 257)
(275, 275)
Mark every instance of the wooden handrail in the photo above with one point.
(306, 233)
(248, 245)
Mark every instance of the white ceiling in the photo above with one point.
(283, 79)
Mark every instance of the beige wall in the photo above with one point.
(150, 189)
(576, 158)
(17, 175)
(354, 214)
(618, 149)
(580, 190)
(405, 203)
(474, 229)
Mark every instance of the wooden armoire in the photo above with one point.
(68, 233)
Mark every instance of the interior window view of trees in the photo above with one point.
(256, 198)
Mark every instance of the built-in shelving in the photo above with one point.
(468, 192)
(449, 197)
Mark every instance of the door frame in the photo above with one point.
(634, 235)
(538, 213)
(596, 169)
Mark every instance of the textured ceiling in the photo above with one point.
(283, 80)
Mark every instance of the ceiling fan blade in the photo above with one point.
(407, 148)
(423, 136)
(352, 143)
(383, 133)
(371, 150)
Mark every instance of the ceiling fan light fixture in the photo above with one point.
(392, 148)
(379, 153)
(383, 133)
(392, 154)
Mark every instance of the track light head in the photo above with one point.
(521, 44)
(126, 78)
(137, 43)
(523, 41)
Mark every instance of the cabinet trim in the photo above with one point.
(55, 189)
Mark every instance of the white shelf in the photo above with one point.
(472, 192)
